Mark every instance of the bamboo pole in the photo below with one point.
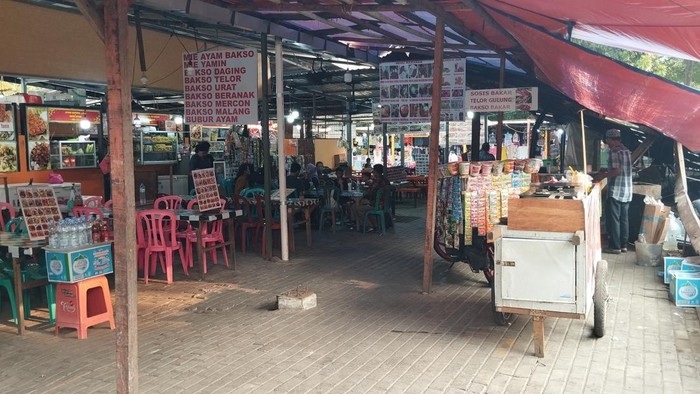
(583, 144)
(433, 158)
(119, 78)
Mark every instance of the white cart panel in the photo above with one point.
(538, 270)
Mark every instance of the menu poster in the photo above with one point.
(39, 208)
(405, 91)
(221, 87)
(497, 100)
(207, 190)
(7, 122)
(9, 161)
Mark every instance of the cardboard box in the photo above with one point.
(654, 224)
(685, 288)
(671, 263)
(76, 264)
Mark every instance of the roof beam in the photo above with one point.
(337, 25)
(298, 7)
(93, 15)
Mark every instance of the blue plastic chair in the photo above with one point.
(382, 207)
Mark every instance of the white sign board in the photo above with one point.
(498, 100)
(405, 91)
(221, 87)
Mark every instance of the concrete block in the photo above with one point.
(297, 299)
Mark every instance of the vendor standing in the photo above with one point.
(200, 160)
(619, 175)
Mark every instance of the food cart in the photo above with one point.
(548, 262)
(537, 244)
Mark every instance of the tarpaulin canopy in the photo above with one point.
(543, 30)
(611, 88)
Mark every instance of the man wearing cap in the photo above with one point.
(619, 175)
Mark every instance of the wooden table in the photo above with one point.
(16, 243)
(307, 205)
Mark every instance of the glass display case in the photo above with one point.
(155, 147)
(73, 154)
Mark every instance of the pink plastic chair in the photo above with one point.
(168, 202)
(93, 202)
(10, 211)
(212, 233)
(160, 243)
(108, 204)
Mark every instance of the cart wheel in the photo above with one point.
(488, 273)
(489, 270)
(600, 298)
(500, 318)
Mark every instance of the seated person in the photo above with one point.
(294, 182)
(242, 179)
(379, 182)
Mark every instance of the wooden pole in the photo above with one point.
(476, 135)
(267, 161)
(119, 78)
(499, 127)
(433, 158)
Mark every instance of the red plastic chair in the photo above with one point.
(93, 202)
(168, 202)
(160, 243)
(276, 226)
(248, 221)
(11, 213)
(86, 212)
(108, 204)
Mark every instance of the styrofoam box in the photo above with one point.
(685, 288)
(671, 263)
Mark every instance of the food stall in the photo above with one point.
(538, 244)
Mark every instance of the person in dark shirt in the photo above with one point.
(294, 182)
(484, 154)
(379, 182)
(200, 160)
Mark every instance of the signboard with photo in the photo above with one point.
(39, 208)
(221, 87)
(9, 161)
(405, 91)
(207, 190)
(499, 100)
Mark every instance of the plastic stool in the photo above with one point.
(83, 304)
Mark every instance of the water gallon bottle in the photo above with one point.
(142, 194)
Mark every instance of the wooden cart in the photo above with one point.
(548, 263)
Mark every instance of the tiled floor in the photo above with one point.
(373, 331)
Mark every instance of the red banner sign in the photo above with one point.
(70, 115)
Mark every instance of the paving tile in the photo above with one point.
(372, 331)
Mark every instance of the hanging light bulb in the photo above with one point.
(85, 123)
(144, 79)
(189, 70)
(178, 120)
(137, 121)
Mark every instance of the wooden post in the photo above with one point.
(433, 158)
(538, 333)
(119, 77)
(267, 162)
(476, 135)
(499, 126)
